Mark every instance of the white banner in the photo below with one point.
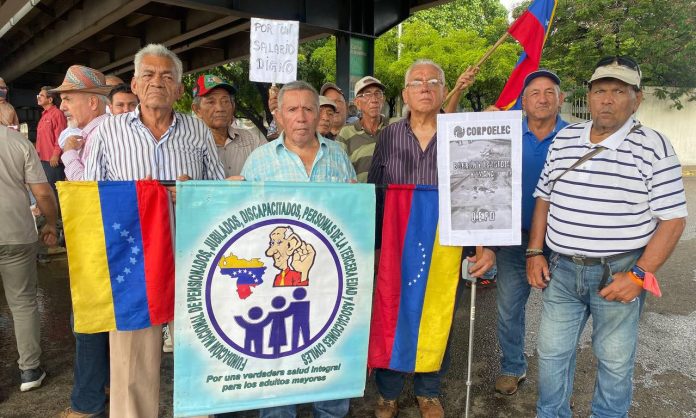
(480, 177)
(273, 50)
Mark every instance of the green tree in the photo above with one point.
(252, 98)
(659, 34)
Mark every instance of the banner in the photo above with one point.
(480, 177)
(274, 292)
(120, 257)
(416, 284)
(273, 50)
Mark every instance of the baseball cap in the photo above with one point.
(620, 68)
(207, 82)
(325, 101)
(541, 72)
(328, 86)
(367, 81)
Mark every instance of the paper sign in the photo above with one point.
(273, 50)
(480, 177)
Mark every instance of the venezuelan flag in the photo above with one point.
(416, 284)
(531, 30)
(120, 254)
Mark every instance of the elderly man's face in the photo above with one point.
(370, 101)
(280, 248)
(326, 115)
(339, 118)
(428, 97)
(299, 116)
(216, 109)
(611, 103)
(123, 103)
(79, 108)
(541, 99)
(156, 85)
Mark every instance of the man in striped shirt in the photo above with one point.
(611, 204)
(360, 137)
(406, 153)
(152, 141)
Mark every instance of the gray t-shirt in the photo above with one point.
(19, 165)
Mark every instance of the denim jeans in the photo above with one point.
(90, 372)
(570, 298)
(324, 409)
(390, 383)
(511, 299)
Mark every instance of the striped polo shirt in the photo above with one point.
(360, 145)
(611, 203)
(123, 148)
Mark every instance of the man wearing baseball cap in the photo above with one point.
(213, 103)
(333, 92)
(541, 102)
(360, 137)
(611, 204)
(83, 102)
(327, 110)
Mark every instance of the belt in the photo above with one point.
(582, 260)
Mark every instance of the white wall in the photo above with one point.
(678, 125)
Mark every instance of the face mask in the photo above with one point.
(3, 94)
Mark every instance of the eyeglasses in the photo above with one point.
(429, 84)
(369, 95)
(623, 61)
(3, 88)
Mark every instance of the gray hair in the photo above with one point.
(417, 63)
(159, 50)
(298, 85)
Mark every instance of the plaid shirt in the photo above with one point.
(275, 162)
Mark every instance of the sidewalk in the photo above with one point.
(664, 382)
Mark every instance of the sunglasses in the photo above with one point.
(623, 61)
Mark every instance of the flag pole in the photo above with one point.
(480, 62)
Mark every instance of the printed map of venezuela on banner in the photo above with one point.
(273, 293)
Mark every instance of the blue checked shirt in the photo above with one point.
(275, 162)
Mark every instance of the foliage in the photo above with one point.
(659, 34)
(472, 15)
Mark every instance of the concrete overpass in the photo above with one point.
(40, 39)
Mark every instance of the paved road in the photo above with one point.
(665, 380)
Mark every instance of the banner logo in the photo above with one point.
(279, 302)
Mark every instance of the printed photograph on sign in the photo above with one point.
(481, 184)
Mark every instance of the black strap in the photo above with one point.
(577, 163)
(589, 155)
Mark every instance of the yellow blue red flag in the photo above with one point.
(120, 254)
(416, 284)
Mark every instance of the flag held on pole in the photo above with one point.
(531, 30)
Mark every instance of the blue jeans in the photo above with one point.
(570, 298)
(90, 372)
(390, 383)
(324, 409)
(511, 299)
